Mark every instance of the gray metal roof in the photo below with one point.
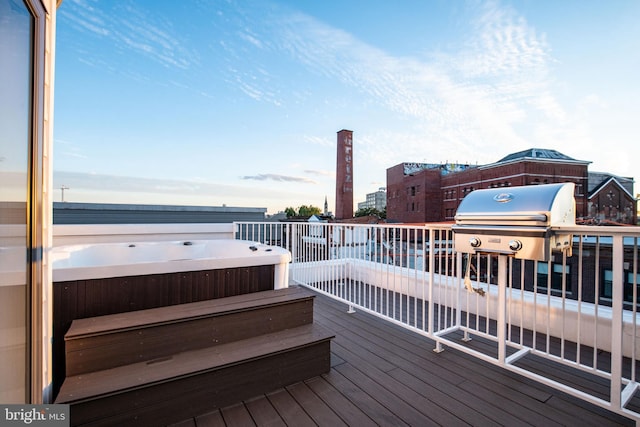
(108, 213)
(536, 153)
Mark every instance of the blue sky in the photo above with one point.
(238, 103)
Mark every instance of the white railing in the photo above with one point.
(576, 310)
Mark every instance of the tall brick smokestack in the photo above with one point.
(344, 175)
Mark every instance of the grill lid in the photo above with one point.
(516, 221)
(545, 205)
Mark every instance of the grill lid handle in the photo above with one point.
(493, 216)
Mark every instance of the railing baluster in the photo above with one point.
(579, 298)
(635, 308)
(597, 297)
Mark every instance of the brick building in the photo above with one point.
(414, 192)
(427, 192)
(611, 199)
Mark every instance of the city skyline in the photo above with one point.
(238, 103)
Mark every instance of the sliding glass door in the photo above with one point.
(17, 194)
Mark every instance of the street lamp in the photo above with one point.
(63, 187)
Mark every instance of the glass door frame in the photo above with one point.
(35, 221)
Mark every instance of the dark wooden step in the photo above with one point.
(166, 390)
(104, 342)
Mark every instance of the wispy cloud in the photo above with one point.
(506, 45)
(84, 17)
(278, 178)
(318, 140)
(323, 173)
(481, 91)
(336, 54)
(140, 32)
(249, 37)
(67, 148)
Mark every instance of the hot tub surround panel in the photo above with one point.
(80, 299)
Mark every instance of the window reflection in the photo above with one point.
(16, 41)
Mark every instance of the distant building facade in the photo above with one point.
(611, 199)
(377, 200)
(425, 192)
(414, 191)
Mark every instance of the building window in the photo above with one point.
(606, 286)
(630, 282)
(555, 278)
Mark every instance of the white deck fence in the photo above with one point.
(576, 310)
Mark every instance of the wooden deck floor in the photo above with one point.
(385, 375)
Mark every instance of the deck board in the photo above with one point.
(365, 402)
(210, 419)
(263, 412)
(383, 374)
(318, 410)
(291, 412)
(403, 410)
(237, 416)
(341, 405)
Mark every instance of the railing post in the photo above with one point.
(294, 251)
(430, 313)
(617, 305)
(502, 309)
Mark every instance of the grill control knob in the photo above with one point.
(515, 245)
(475, 242)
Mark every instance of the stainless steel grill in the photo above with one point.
(516, 221)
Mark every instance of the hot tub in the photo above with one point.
(104, 260)
(109, 278)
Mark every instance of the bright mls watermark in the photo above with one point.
(34, 415)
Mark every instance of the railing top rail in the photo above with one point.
(578, 230)
(601, 230)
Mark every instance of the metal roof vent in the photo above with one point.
(516, 221)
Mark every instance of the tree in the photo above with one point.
(303, 210)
